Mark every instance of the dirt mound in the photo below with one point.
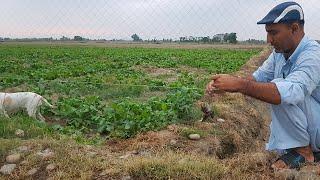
(153, 141)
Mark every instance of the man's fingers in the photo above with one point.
(212, 89)
(209, 88)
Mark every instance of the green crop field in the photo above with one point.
(116, 91)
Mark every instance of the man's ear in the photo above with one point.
(295, 27)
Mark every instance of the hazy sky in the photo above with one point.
(148, 18)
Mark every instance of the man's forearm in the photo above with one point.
(250, 77)
(267, 92)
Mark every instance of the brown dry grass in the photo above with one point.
(173, 165)
(74, 161)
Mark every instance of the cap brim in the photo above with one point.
(261, 22)
(265, 20)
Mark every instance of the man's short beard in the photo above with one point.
(286, 51)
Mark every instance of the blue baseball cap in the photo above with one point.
(284, 13)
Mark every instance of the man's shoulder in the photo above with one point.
(312, 45)
(311, 49)
(310, 53)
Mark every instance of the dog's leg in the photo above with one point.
(6, 114)
(41, 117)
(2, 108)
(32, 112)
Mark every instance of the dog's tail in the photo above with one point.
(46, 102)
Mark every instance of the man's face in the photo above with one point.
(280, 36)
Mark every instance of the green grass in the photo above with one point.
(32, 128)
(97, 65)
(6, 145)
(102, 89)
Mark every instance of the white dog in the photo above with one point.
(29, 101)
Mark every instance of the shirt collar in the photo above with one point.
(293, 58)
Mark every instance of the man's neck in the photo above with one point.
(296, 44)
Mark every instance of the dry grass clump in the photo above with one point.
(72, 160)
(250, 166)
(173, 165)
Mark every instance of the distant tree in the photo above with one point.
(230, 38)
(206, 39)
(154, 40)
(226, 37)
(233, 38)
(254, 41)
(64, 38)
(192, 39)
(216, 39)
(78, 38)
(135, 37)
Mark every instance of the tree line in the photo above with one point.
(218, 38)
